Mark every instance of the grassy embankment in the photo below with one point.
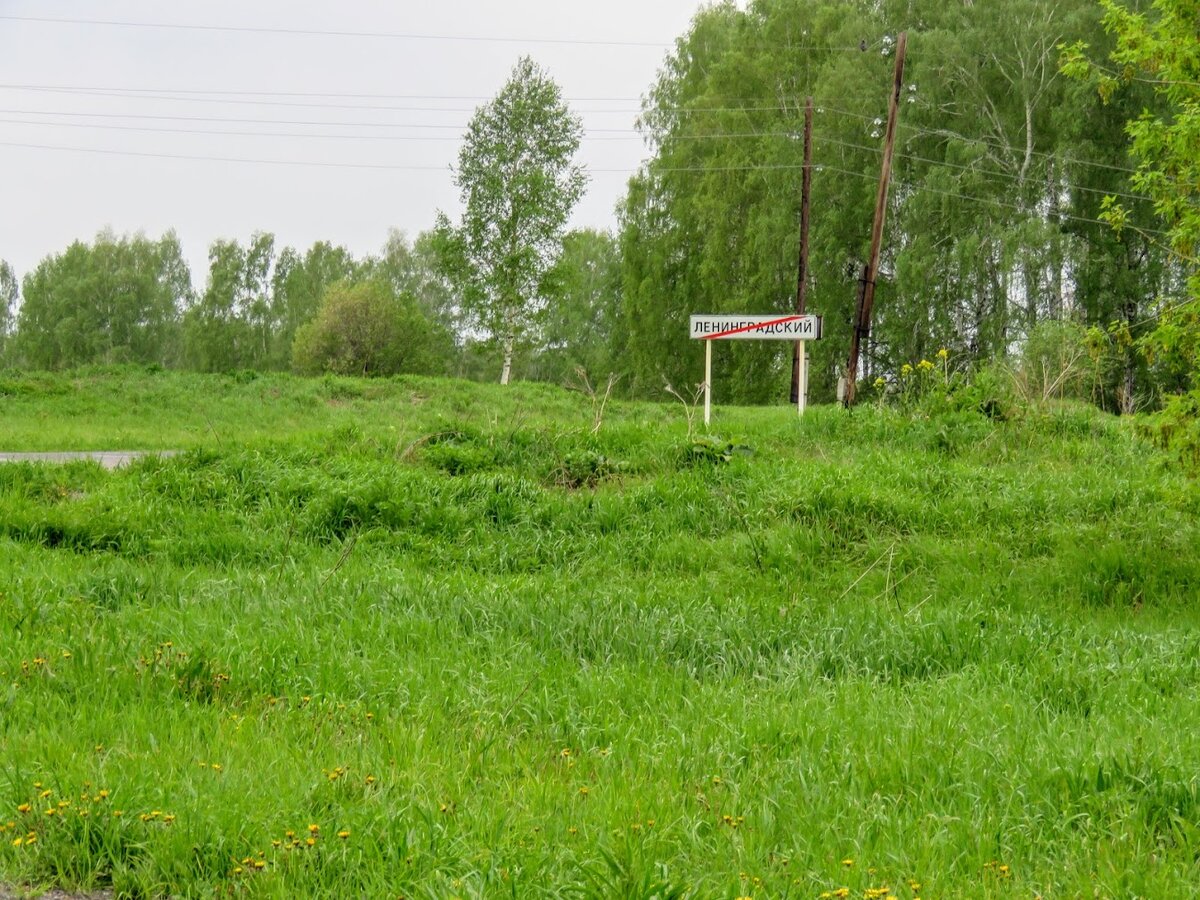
(435, 639)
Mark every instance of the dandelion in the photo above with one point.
(103, 794)
(343, 834)
(46, 793)
(943, 354)
(311, 841)
(24, 808)
(17, 842)
(314, 829)
(370, 779)
(847, 862)
(565, 752)
(583, 791)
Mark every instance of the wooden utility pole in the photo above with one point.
(798, 374)
(862, 321)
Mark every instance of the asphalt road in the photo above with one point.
(110, 459)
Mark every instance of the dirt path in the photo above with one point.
(110, 459)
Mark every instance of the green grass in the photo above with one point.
(514, 658)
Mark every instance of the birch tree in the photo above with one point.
(518, 183)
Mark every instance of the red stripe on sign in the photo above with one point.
(754, 327)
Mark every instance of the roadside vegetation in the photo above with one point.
(432, 638)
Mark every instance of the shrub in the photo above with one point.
(366, 329)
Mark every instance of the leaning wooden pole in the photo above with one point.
(798, 378)
(862, 321)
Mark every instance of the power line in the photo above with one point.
(987, 172)
(276, 134)
(249, 93)
(632, 135)
(164, 96)
(228, 159)
(312, 32)
(979, 139)
(394, 35)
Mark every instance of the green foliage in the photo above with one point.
(1000, 170)
(364, 329)
(518, 184)
(230, 326)
(1159, 48)
(116, 300)
(9, 291)
(299, 285)
(576, 330)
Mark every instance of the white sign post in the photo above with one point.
(709, 328)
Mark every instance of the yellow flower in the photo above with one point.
(24, 808)
(314, 829)
(905, 370)
(310, 841)
(17, 842)
(583, 791)
(343, 834)
(847, 861)
(943, 354)
(924, 365)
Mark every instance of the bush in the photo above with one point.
(366, 329)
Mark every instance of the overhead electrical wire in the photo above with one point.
(611, 135)
(315, 32)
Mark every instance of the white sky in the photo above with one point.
(49, 198)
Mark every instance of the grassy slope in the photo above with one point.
(934, 647)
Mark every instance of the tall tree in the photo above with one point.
(8, 304)
(117, 300)
(518, 183)
(299, 284)
(584, 290)
(999, 169)
(231, 325)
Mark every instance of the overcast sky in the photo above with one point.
(128, 89)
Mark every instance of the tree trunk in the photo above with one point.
(508, 354)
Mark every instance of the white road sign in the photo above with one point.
(755, 328)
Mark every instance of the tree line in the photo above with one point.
(132, 299)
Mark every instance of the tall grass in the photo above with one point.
(507, 656)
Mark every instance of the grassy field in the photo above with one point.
(424, 638)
